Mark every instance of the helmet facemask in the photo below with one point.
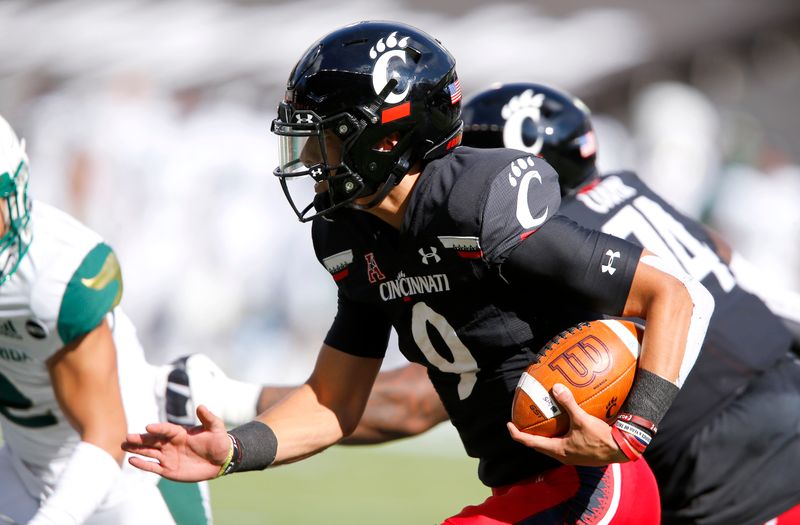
(16, 207)
(311, 167)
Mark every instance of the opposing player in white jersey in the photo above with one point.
(73, 379)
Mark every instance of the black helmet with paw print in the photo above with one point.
(538, 119)
(353, 92)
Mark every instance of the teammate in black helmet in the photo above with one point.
(460, 250)
(728, 449)
(540, 120)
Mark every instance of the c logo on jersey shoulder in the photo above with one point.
(525, 107)
(383, 52)
(522, 174)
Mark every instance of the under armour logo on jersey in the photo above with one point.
(374, 274)
(608, 268)
(383, 52)
(522, 174)
(428, 256)
(304, 118)
(524, 107)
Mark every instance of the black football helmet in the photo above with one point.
(351, 90)
(538, 119)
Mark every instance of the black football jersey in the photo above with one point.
(743, 339)
(480, 275)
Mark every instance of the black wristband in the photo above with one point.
(254, 447)
(650, 397)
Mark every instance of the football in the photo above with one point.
(595, 360)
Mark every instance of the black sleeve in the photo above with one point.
(359, 329)
(574, 266)
(519, 200)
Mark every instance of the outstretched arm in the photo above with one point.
(323, 410)
(311, 418)
(85, 381)
(403, 403)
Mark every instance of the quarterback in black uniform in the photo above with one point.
(463, 253)
(728, 449)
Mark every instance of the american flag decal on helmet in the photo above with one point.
(455, 92)
(588, 144)
(337, 264)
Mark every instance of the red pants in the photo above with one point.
(790, 517)
(624, 493)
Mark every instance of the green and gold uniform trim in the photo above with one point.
(185, 502)
(94, 289)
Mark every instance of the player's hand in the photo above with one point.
(588, 442)
(181, 454)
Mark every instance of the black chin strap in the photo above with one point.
(399, 170)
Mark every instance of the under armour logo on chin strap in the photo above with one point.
(304, 119)
(608, 268)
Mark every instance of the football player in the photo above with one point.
(728, 449)
(73, 379)
(462, 252)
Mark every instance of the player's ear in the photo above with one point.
(388, 142)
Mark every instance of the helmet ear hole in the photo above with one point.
(388, 142)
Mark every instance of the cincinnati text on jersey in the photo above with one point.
(403, 286)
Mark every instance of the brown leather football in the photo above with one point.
(596, 361)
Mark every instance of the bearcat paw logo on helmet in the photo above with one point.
(383, 52)
(525, 106)
(522, 174)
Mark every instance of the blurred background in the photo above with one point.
(149, 121)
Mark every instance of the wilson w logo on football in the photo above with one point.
(597, 361)
(580, 364)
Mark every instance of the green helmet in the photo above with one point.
(14, 202)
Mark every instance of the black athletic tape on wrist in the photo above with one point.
(255, 447)
(650, 396)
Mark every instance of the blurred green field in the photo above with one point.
(416, 481)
